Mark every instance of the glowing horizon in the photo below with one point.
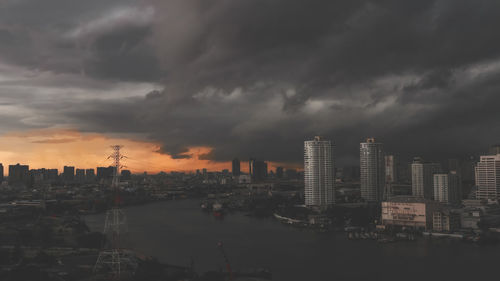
(56, 148)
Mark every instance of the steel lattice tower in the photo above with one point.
(113, 257)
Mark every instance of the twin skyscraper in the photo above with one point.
(319, 172)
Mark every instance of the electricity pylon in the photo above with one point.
(113, 257)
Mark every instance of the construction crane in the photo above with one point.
(228, 265)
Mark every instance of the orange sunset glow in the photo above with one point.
(55, 148)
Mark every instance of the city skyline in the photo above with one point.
(225, 140)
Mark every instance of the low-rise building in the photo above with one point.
(445, 221)
(406, 211)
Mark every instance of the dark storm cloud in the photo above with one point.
(256, 78)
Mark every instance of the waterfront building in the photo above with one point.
(422, 178)
(488, 177)
(409, 211)
(445, 221)
(236, 167)
(318, 173)
(372, 168)
(447, 188)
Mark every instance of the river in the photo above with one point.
(177, 232)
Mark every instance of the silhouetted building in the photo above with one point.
(422, 178)
(258, 170)
(105, 173)
(18, 174)
(1, 173)
(52, 175)
(80, 175)
(318, 173)
(38, 176)
(68, 173)
(89, 175)
(236, 167)
(126, 175)
(279, 172)
(372, 164)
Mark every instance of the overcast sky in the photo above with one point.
(257, 77)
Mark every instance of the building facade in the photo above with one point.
(372, 168)
(318, 172)
(412, 212)
(447, 188)
(488, 177)
(422, 178)
(445, 221)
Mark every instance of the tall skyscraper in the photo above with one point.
(447, 188)
(1, 173)
(488, 177)
(372, 167)
(236, 167)
(318, 173)
(422, 178)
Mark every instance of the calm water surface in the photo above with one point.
(177, 231)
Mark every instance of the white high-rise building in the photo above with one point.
(372, 168)
(488, 177)
(319, 173)
(447, 188)
(422, 180)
